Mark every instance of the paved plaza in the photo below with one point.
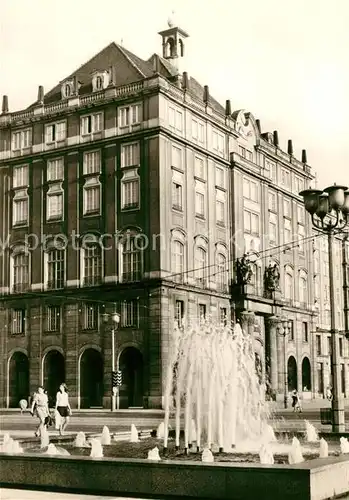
(9, 494)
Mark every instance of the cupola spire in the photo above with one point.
(173, 44)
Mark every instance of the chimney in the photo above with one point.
(290, 147)
(304, 156)
(76, 85)
(276, 138)
(258, 123)
(41, 94)
(4, 104)
(227, 107)
(156, 64)
(185, 81)
(206, 97)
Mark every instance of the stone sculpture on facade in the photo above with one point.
(243, 270)
(272, 278)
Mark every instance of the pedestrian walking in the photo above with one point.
(62, 409)
(296, 402)
(40, 409)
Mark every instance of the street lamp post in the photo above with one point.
(115, 318)
(329, 210)
(283, 331)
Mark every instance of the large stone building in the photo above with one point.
(127, 188)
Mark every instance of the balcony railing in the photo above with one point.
(55, 284)
(92, 280)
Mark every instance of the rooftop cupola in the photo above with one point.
(173, 44)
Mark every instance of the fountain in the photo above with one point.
(80, 440)
(44, 439)
(134, 434)
(266, 456)
(160, 433)
(207, 456)
(154, 454)
(323, 453)
(105, 438)
(96, 448)
(10, 446)
(295, 455)
(344, 445)
(212, 371)
(311, 433)
(268, 435)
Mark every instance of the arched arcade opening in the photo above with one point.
(131, 366)
(91, 379)
(18, 378)
(54, 374)
(306, 375)
(292, 379)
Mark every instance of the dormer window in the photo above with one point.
(100, 80)
(67, 89)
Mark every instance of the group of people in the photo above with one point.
(40, 408)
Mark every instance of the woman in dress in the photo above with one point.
(63, 407)
(39, 407)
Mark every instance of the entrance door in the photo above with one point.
(91, 379)
(54, 374)
(131, 365)
(292, 374)
(18, 379)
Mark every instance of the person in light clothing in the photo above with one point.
(63, 407)
(39, 408)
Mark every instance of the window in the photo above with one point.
(90, 317)
(55, 132)
(175, 119)
(202, 312)
(92, 162)
(287, 231)
(20, 208)
(21, 139)
(301, 237)
(318, 345)
(92, 196)
(20, 272)
(287, 208)
(301, 214)
(329, 346)
(177, 261)
(177, 196)
(221, 273)
(99, 83)
(270, 170)
(55, 269)
(223, 316)
(285, 178)
(245, 153)
(291, 331)
(20, 176)
(220, 212)
(91, 123)
(130, 314)
(273, 230)
(53, 318)
(197, 130)
(305, 331)
(132, 263)
(130, 198)
(18, 322)
(303, 290)
(130, 115)
(289, 286)
(176, 157)
(92, 265)
(54, 202)
(220, 177)
(130, 155)
(342, 377)
(55, 170)
(200, 265)
(320, 377)
(272, 201)
(218, 140)
(199, 168)
(250, 190)
(299, 184)
(199, 204)
(179, 312)
(340, 346)
(251, 223)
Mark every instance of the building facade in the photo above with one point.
(128, 188)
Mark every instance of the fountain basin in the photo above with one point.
(318, 479)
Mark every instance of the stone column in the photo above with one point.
(271, 324)
(280, 341)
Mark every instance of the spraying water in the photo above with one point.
(9, 445)
(96, 449)
(266, 456)
(134, 434)
(311, 433)
(105, 439)
(323, 453)
(154, 454)
(212, 380)
(207, 456)
(44, 439)
(80, 440)
(295, 455)
(344, 445)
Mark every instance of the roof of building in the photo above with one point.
(128, 68)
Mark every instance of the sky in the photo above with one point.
(285, 61)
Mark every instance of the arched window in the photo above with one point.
(221, 272)
(256, 279)
(181, 48)
(55, 268)
(67, 90)
(177, 261)
(99, 82)
(20, 272)
(289, 292)
(132, 258)
(170, 48)
(303, 289)
(92, 264)
(200, 266)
